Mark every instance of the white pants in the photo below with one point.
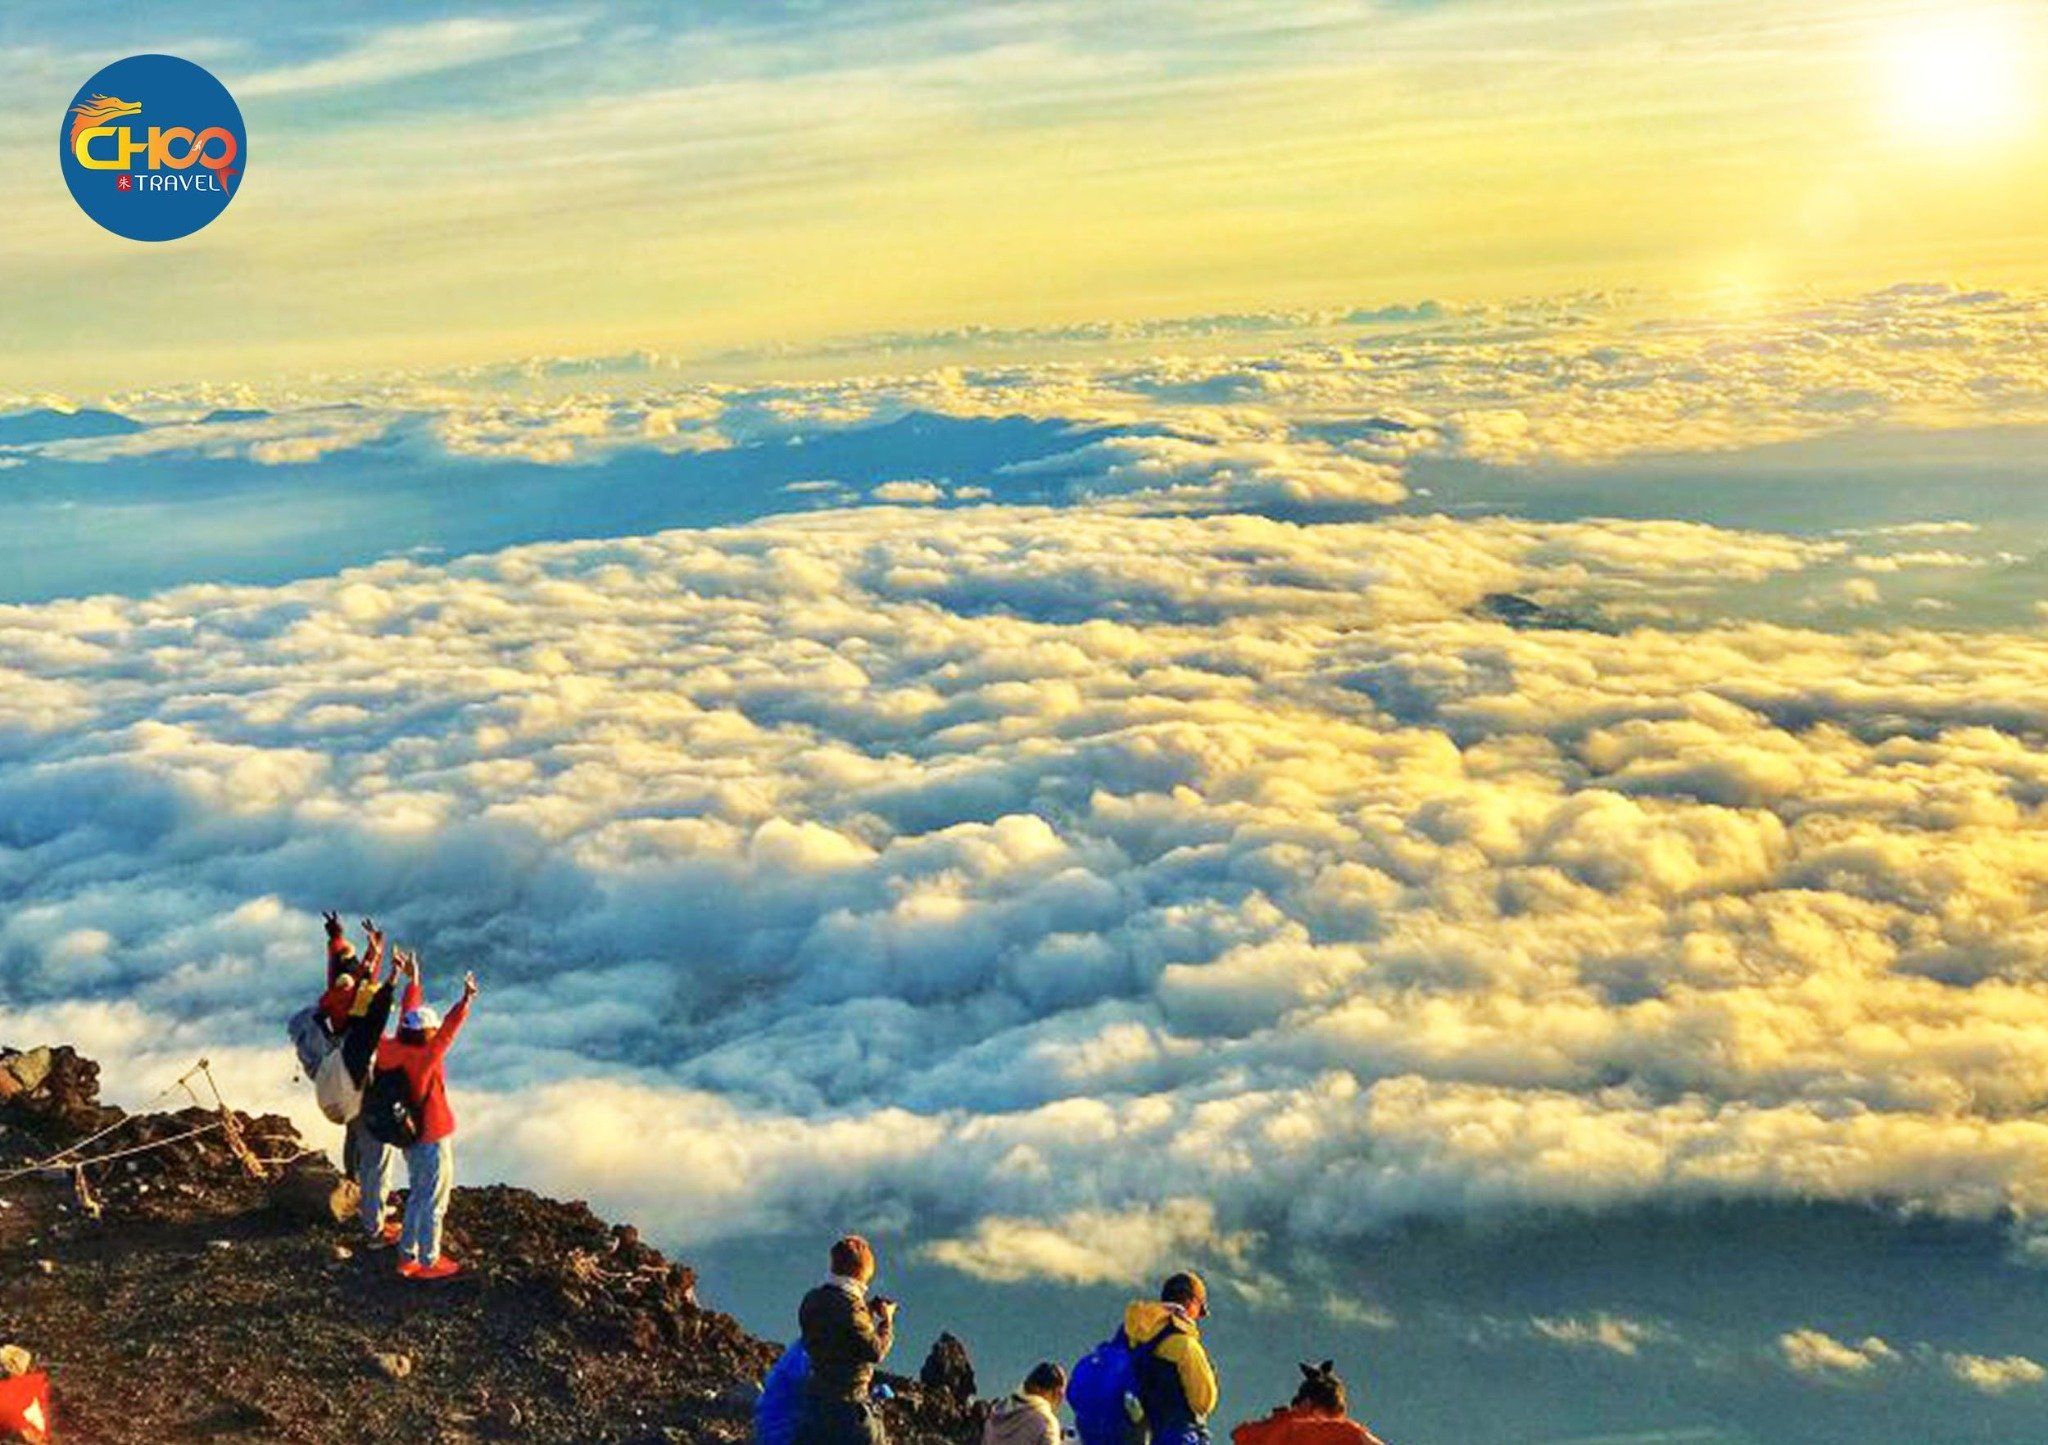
(373, 1175)
(429, 1179)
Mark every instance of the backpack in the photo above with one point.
(782, 1398)
(1102, 1391)
(388, 1111)
(338, 1093)
(310, 1039)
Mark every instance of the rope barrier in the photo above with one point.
(65, 1158)
(61, 1162)
(255, 1166)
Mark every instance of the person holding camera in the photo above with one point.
(846, 1335)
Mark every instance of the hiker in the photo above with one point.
(406, 1107)
(316, 1029)
(336, 1037)
(1318, 1416)
(342, 1084)
(1176, 1386)
(342, 962)
(1032, 1415)
(368, 1013)
(341, 954)
(845, 1335)
(25, 1413)
(347, 975)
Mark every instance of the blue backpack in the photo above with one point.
(1102, 1392)
(782, 1398)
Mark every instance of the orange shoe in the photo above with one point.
(385, 1237)
(408, 1269)
(439, 1269)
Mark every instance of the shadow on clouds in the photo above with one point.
(136, 525)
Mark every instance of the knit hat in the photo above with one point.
(422, 1018)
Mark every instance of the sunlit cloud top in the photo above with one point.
(447, 184)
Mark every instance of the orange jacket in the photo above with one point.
(25, 1407)
(1295, 1425)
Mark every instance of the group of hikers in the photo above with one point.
(1150, 1381)
(389, 1092)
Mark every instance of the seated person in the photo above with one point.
(1317, 1416)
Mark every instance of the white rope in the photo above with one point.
(62, 1158)
(55, 1162)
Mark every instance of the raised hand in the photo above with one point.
(469, 985)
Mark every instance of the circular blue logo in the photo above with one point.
(153, 147)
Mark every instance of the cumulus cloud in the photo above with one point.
(1134, 1246)
(909, 490)
(1995, 1375)
(1614, 1334)
(1821, 1356)
(1241, 472)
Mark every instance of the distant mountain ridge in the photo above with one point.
(47, 424)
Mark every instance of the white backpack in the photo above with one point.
(340, 1097)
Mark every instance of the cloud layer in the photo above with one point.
(1013, 865)
(1590, 378)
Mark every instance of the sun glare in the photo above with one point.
(1958, 79)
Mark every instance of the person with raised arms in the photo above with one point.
(406, 1107)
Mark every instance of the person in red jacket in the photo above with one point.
(418, 1052)
(1317, 1416)
(350, 981)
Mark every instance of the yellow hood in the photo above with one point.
(1145, 1318)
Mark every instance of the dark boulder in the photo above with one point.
(948, 1370)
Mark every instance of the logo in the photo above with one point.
(153, 148)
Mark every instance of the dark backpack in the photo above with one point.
(388, 1111)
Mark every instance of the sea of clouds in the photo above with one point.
(1091, 885)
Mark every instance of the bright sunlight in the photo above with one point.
(1959, 78)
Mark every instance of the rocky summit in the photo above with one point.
(207, 1286)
